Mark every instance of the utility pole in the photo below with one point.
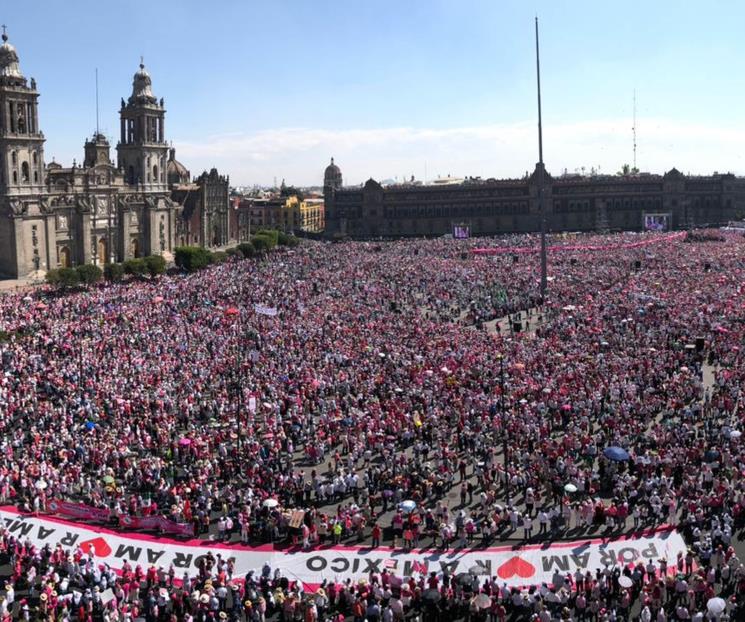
(505, 434)
(541, 202)
(633, 129)
(97, 126)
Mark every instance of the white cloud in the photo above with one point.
(299, 155)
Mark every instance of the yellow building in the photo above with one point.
(302, 215)
(311, 215)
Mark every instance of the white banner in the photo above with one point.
(265, 310)
(517, 567)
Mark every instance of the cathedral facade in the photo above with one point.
(95, 212)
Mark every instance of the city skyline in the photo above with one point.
(391, 94)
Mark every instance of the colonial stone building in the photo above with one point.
(53, 216)
(205, 217)
(492, 206)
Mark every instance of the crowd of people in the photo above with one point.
(383, 379)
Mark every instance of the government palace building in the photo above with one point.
(474, 206)
(94, 212)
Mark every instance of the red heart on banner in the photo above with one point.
(516, 566)
(98, 546)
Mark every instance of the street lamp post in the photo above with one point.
(80, 368)
(541, 202)
(242, 425)
(505, 449)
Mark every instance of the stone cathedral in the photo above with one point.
(95, 212)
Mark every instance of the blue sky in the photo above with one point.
(393, 88)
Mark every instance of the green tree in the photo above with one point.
(68, 277)
(262, 242)
(113, 272)
(272, 234)
(155, 264)
(246, 249)
(285, 239)
(89, 274)
(52, 277)
(192, 258)
(135, 267)
(627, 170)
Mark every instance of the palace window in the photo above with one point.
(24, 172)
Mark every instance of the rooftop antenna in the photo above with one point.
(96, 102)
(541, 206)
(633, 130)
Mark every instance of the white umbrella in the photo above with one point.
(408, 506)
(270, 503)
(625, 581)
(735, 434)
(716, 605)
(41, 485)
(570, 488)
(482, 601)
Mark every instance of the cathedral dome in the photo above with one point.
(9, 67)
(142, 87)
(332, 176)
(177, 173)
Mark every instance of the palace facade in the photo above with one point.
(492, 206)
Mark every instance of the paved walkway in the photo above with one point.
(23, 284)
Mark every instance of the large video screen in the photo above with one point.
(657, 222)
(461, 232)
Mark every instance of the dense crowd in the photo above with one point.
(383, 379)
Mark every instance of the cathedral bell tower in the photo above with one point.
(142, 149)
(21, 141)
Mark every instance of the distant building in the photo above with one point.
(205, 218)
(332, 178)
(52, 216)
(251, 214)
(479, 207)
(290, 214)
(311, 217)
(301, 214)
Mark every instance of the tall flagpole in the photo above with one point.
(541, 203)
(97, 131)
